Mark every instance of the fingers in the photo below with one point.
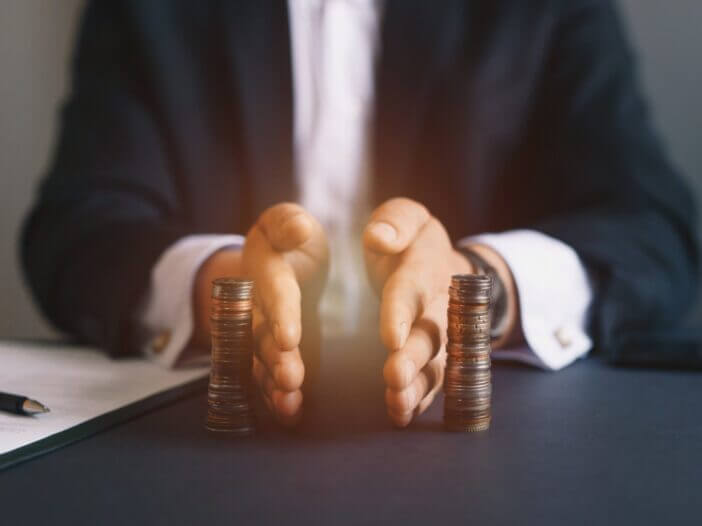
(286, 226)
(264, 381)
(405, 295)
(286, 406)
(414, 373)
(285, 247)
(278, 373)
(424, 343)
(415, 398)
(277, 292)
(281, 297)
(285, 368)
(394, 225)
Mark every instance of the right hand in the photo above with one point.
(286, 254)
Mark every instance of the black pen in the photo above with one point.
(21, 405)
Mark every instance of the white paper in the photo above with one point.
(77, 384)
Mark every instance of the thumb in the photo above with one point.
(286, 226)
(394, 225)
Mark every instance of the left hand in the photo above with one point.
(410, 260)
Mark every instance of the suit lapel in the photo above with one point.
(418, 41)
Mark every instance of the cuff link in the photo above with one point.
(564, 336)
(160, 341)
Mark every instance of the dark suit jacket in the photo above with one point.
(495, 114)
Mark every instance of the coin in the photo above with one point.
(467, 377)
(229, 404)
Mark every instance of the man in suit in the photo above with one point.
(514, 132)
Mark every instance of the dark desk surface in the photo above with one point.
(588, 445)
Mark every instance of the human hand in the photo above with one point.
(286, 254)
(410, 260)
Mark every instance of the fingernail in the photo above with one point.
(383, 231)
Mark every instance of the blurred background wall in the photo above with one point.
(35, 43)
(36, 37)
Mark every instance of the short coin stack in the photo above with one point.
(467, 385)
(229, 403)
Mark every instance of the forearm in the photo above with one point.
(644, 268)
(88, 281)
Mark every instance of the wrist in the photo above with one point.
(508, 329)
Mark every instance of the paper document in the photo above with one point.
(77, 384)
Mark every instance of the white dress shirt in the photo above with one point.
(334, 48)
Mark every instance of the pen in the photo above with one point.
(21, 405)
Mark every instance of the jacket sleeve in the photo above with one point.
(109, 205)
(620, 204)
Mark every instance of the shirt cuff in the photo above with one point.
(167, 313)
(554, 297)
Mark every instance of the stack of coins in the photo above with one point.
(467, 385)
(229, 396)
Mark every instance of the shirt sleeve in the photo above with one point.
(167, 312)
(554, 297)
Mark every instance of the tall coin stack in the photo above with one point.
(229, 403)
(467, 385)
